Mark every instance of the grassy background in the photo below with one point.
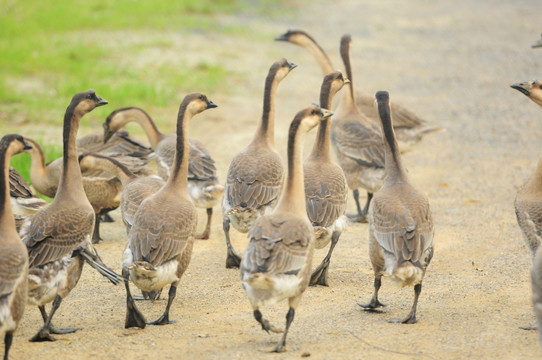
(50, 52)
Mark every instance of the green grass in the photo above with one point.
(50, 51)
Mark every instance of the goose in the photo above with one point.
(400, 223)
(528, 201)
(277, 261)
(537, 43)
(357, 143)
(536, 281)
(23, 200)
(255, 173)
(135, 189)
(160, 242)
(120, 143)
(101, 188)
(203, 184)
(57, 237)
(13, 257)
(409, 128)
(326, 190)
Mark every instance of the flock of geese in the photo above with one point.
(287, 210)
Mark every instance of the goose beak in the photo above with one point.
(283, 37)
(26, 146)
(536, 44)
(326, 113)
(522, 87)
(292, 65)
(107, 133)
(211, 104)
(101, 101)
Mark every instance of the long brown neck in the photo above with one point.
(348, 93)
(319, 54)
(37, 165)
(395, 172)
(292, 199)
(71, 181)
(321, 147)
(141, 117)
(266, 130)
(7, 222)
(179, 174)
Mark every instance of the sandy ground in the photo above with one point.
(449, 61)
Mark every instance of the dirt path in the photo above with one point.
(449, 61)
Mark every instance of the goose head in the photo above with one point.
(14, 144)
(281, 68)
(198, 102)
(298, 37)
(311, 117)
(531, 89)
(86, 101)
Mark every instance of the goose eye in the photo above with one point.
(201, 97)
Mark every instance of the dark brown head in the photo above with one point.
(331, 84)
(13, 144)
(298, 37)
(280, 69)
(85, 102)
(197, 102)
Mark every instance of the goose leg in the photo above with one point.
(96, 233)
(134, 318)
(105, 217)
(232, 260)
(45, 332)
(53, 329)
(365, 210)
(281, 346)
(205, 234)
(266, 325)
(164, 319)
(374, 303)
(361, 216)
(411, 317)
(319, 275)
(8, 339)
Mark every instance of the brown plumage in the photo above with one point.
(278, 259)
(57, 237)
(357, 142)
(13, 257)
(409, 128)
(203, 185)
(160, 241)
(255, 174)
(400, 223)
(326, 190)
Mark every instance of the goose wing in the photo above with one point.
(201, 165)
(278, 245)
(325, 194)
(54, 233)
(161, 229)
(254, 179)
(12, 265)
(404, 231)
(359, 141)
